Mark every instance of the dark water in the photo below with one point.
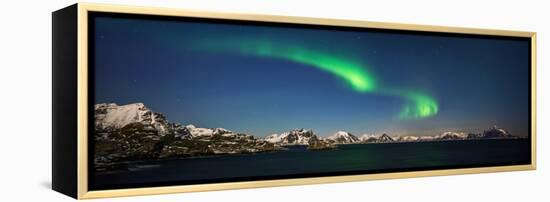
(300, 162)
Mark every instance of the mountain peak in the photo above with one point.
(294, 137)
(385, 138)
(118, 116)
(496, 132)
(343, 137)
(452, 136)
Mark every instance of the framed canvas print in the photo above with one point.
(151, 101)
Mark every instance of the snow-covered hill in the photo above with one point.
(452, 136)
(110, 116)
(294, 137)
(343, 137)
(496, 132)
(365, 138)
(370, 138)
(198, 132)
(133, 132)
(407, 138)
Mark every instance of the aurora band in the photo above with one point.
(418, 105)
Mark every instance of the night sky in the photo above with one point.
(262, 79)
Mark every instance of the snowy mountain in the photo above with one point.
(208, 132)
(294, 137)
(366, 138)
(273, 138)
(342, 137)
(110, 116)
(492, 133)
(427, 138)
(451, 136)
(496, 132)
(385, 138)
(369, 138)
(133, 132)
(407, 138)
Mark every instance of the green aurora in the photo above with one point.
(418, 104)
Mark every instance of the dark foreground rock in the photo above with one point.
(318, 144)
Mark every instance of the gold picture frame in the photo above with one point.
(78, 187)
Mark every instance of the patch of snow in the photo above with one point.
(120, 116)
(196, 132)
(452, 135)
(273, 138)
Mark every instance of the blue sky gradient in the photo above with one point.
(477, 82)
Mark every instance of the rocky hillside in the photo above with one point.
(384, 138)
(294, 137)
(133, 132)
(316, 143)
(300, 137)
(451, 136)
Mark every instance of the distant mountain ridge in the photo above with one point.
(492, 133)
(134, 132)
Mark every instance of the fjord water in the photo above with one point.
(297, 160)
